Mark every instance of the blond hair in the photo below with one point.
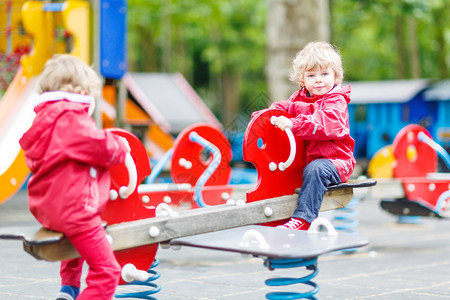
(67, 73)
(317, 55)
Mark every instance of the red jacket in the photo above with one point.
(323, 123)
(69, 158)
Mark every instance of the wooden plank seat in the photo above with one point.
(48, 245)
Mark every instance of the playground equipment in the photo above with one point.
(380, 109)
(200, 170)
(16, 107)
(280, 249)
(415, 187)
(169, 100)
(12, 40)
(136, 227)
(156, 140)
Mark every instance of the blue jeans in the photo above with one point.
(317, 176)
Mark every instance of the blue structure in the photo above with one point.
(113, 38)
(379, 109)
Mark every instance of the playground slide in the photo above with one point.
(16, 116)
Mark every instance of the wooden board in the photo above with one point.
(40, 242)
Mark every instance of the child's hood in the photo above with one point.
(344, 91)
(48, 110)
(337, 90)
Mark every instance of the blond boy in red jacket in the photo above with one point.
(319, 117)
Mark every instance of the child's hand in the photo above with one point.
(282, 122)
(125, 142)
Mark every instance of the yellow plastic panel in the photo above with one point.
(380, 166)
(76, 21)
(19, 41)
(13, 178)
(39, 25)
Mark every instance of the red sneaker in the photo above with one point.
(295, 224)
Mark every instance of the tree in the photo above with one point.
(386, 39)
(290, 26)
(214, 44)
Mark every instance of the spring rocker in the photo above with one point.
(423, 191)
(200, 170)
(135, 226)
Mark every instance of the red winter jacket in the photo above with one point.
(323, 123)
(69, 158)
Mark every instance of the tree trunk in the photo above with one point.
(145, 62)
(291, 24)
(400, 43)
(413, 48)
(167, 35)
(230, 92)
(441, 54)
